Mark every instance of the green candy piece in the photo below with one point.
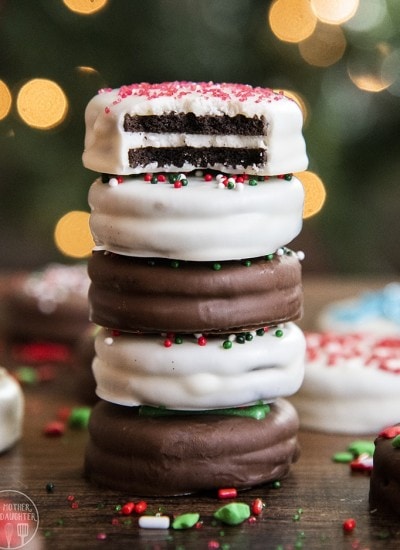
(185, 521)
(27, 375)
(233, 513)
(79, 417)
(396, 442)
(360, 447)
(343, 457)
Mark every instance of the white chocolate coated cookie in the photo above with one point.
(374, 311)
(351, 383)
(139, 370)
(203, 221)
(108, 141)
(11, 410)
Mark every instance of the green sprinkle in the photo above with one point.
(296, 517)
(172, 178)
(174, 264)
(27, 375)
(288, 177)
(185, 521)
(246, 263)
(240, 338)
(343, 457)
(47, 534)
(396, 442)
(276, 485)
(231, 185)
(154, 179)
(178, 340)
(227, 344)
(257, 412)
(269, 257)
(217, 267)
(360, 447)
(118, 507)
(233, 513)
(249, 336)
(184, 182)
(79, 417)
(260, 332)
(253, 182)
(279, 333)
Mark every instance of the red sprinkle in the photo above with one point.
(101, 536)
(227, 493)
(70, 498)
(177, 184)
(161, 178)
(257, 506)
(349, 525)
(148, 177)
(63, 413)
(128, 508)
(74, 505)
(56, 428)
(363, 463)
(120, 179)
(167, 343)
(140, 507)
(390, 432)
(202, 341)
(208, 177)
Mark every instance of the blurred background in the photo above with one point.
(339, 58)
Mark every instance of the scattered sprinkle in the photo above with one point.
(233, 513)
(185, 521)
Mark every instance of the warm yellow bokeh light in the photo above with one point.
(5, 100)
(41, 103)
(292, 20)
(315, 193)
(72, 234)
(334, 12)
(85, 7)
(86, 70)
(325, 47)
(367, 71)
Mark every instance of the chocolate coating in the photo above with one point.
(384, 492)
(184, 454)
(130, 294)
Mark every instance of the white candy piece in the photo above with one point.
(11, 410)
(154, 522)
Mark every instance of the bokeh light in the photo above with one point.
(85, 7)
(42, 104)
(334, 12)
(370, 14)
(315, 193)
(292, 20)
(366, 69)
(5, 100)
(72, 234)
(391, 72)
(324, 47)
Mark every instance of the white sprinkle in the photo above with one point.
(280, 252)
(300, 255)
(219, 177)
(108, 341)
(113, 182)
(221, 185)
(154, 522)
(239, 186)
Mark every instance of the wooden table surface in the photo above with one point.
(307, 511)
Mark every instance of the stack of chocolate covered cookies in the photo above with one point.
(194, 286)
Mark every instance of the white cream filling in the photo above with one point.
(138, 140)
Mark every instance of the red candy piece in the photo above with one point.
(54, 429)
(140, 507)
(390, 432)
(349, 525)
(227, 493)
(257, 506)
(128, 508)
(363, 463)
